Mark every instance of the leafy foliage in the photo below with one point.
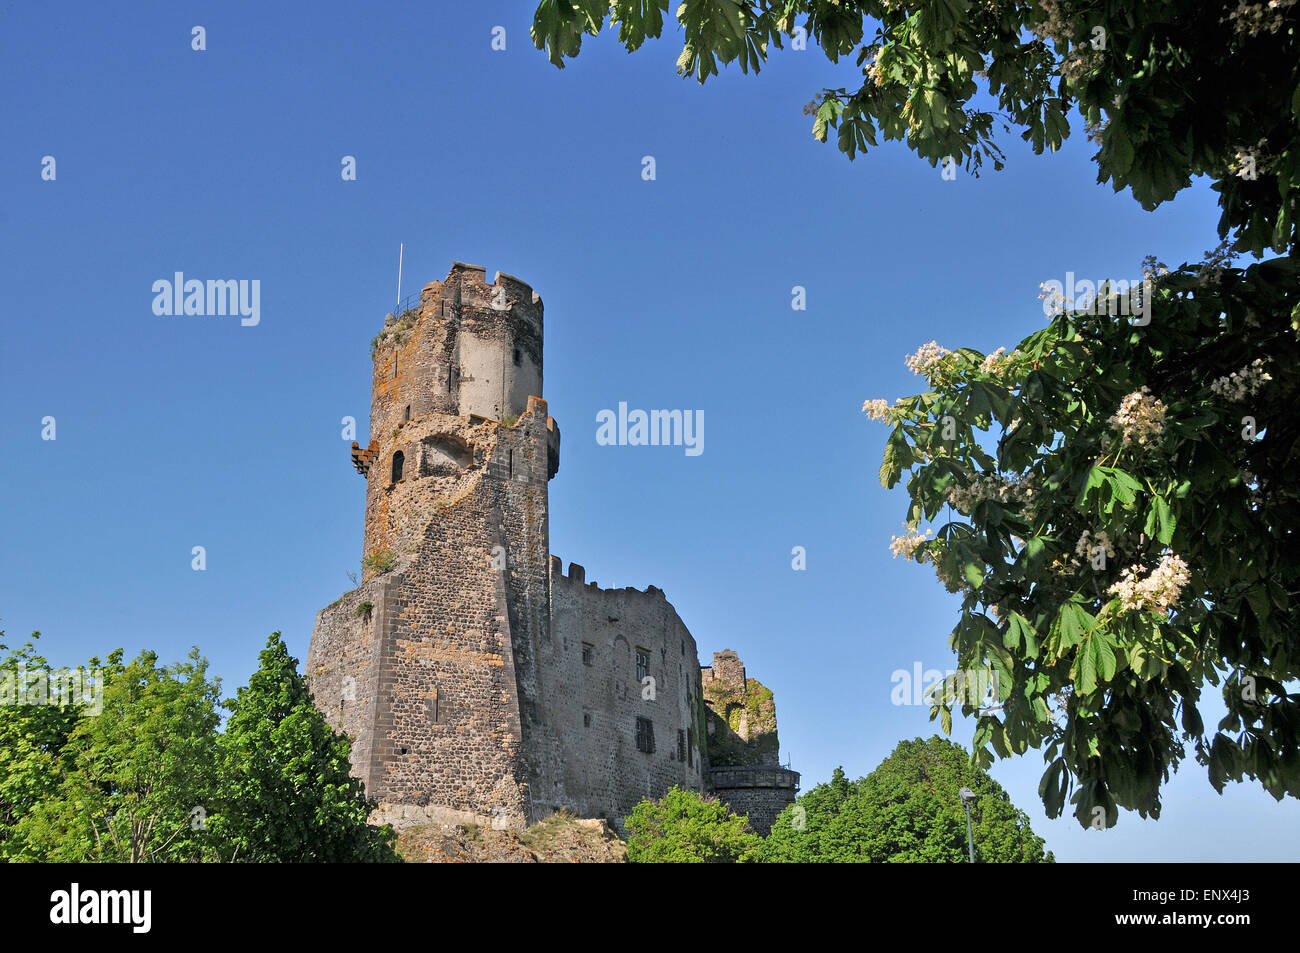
(127, 780)
(286, 793)
(905, 811)
(32, 740)
(149, 778)
(1100, 660)
(683, 827)
(1169, 89)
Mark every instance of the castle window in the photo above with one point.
(586, 719)
(645, 735)
(518, 357)
(681, 745)
(406, 414)
(690, 747)
(588, 652)
(399, 459)
(642, 663)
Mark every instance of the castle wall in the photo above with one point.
(484, 684)
(591, 708)
(762, 793)
(343, 665)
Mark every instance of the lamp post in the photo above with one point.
(967, 799)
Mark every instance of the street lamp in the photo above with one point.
(967, 799)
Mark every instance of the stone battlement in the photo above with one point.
(577, 575)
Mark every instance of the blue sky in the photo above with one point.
(174, 432)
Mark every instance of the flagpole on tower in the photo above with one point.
(400, 249)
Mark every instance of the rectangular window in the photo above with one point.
(690, 747)
(645, 735)
(642, 663)
(588, 652)
(681, 745)
(586, 719)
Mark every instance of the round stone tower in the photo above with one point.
(469, 350)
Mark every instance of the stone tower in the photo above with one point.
(744, 752)
(429, 666)
(477, 680)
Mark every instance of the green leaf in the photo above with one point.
(898, 456)
(1085, 680)
(1160, 520)
(1120, 147)
(1257, 596)
(1052, 787)
(1021, 633)
(1104, 656)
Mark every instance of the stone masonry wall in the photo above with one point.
(468, 603)
(762, 793)
(591, 703)
(342, 666)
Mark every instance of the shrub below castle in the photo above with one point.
(905, 811)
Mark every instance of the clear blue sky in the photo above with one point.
(174, 432)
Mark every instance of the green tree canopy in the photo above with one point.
(286, 792)
(128, 781)
(905, 811)
(1168, 89)
(146, 776)
(683, 827)
(1116, 505)
(32, 737)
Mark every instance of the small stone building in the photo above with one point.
(477, 680)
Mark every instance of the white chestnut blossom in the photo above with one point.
(996, 362)
(1055, 298)
(1158, 592)
(1243, 383)
(1089, 540)
(908, 545)
(880, 409)
(1010, 488)
(926, 358)
(1140, 418)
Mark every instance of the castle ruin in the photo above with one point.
(477, 680)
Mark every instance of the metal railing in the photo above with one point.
(409, 303)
